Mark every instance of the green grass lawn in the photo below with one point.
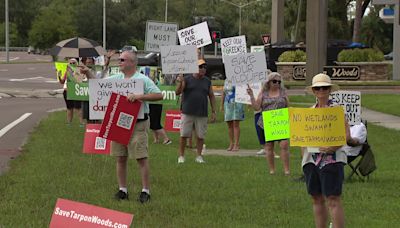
(224, 192)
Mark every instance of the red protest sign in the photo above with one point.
(93, 143)
(172, 120)
(120, 119)
(69, 214)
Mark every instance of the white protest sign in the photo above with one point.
(351, 103)
(233, 46)
(197, 35)
(159, 34)
(99, 60)
(246, 68)
(179, 59)
(256, 48)
(241, 95)
(100, 92)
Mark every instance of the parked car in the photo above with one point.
(128, 48)
(389, 56)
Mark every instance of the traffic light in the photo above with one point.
(216, 36)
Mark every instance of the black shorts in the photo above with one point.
(85, 110)
(70, 103)
(155, 116)
(327, 181)
(259, 130)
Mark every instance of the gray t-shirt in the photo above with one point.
(195, 96)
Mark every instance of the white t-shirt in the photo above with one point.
(358, 131)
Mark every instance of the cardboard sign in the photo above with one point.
(77, 91)
(197, 35)
(246, 68)
(233, 46)
(276, 124)
(243, 97)
(314, 127)
(69, 214)
(256, 49)
(351, 103)
(61, 68)
(179, 59)
(93, 143)
(120, 118)
(172, 120)
(100, 91)
(159, 34)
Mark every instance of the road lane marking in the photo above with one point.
(23, 79)
(3, 70)
(14, 123)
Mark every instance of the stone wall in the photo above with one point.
(369, 71)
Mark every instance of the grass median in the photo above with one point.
(224, 192)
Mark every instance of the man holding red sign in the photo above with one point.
(138, 145)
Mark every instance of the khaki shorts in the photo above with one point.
(199, 124)
(138, 145)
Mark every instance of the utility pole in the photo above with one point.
(104, 24)
(7, 33)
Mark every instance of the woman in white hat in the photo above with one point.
(272, 96)
(324, 170)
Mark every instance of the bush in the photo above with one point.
(360, 55)
(293, 56)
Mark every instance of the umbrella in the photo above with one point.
(77, 47)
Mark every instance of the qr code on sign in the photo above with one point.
(176, 124)
(100, 143)
(125, 120)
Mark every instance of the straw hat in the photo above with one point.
(201, 62)
(322, 80)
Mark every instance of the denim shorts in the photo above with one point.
(327, 181)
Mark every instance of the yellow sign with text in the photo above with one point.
(317, 126)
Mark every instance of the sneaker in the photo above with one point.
(181, 159)
(167, 142)
(121, 195)
(199, 159)
(261, 152)
(144, 197)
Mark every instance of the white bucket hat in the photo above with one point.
(322, 80)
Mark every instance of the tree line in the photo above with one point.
(42, 23)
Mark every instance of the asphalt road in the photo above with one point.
(15, 109)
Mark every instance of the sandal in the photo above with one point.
(235, 148)
(167, 142)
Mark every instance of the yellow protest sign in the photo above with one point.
(276, 124)
(61, 68)
(317, 126)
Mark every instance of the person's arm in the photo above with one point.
(86, 71)
(256, 104)
(145, 97)
(180, 84)
(222, 101)
(211, 96)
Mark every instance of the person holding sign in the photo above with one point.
(71, 104)
(234, 113)
(138, 145)
(324, 169)
(272, 96)
(195, 89)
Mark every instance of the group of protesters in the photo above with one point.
(323, 171)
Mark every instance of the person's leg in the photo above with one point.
(236, 135)
(320, 211)
(230, 134)
(144, 172)
(70, 115)
(155, 136)
(182, 144)
(162, 134)
(121, 171)
(80, 113)
(269, 155)
(284, 145)
(199, 145)
(336, 211)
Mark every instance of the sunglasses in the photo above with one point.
(319, 88)
(121, 60)
(276, 81)
(203, 66)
